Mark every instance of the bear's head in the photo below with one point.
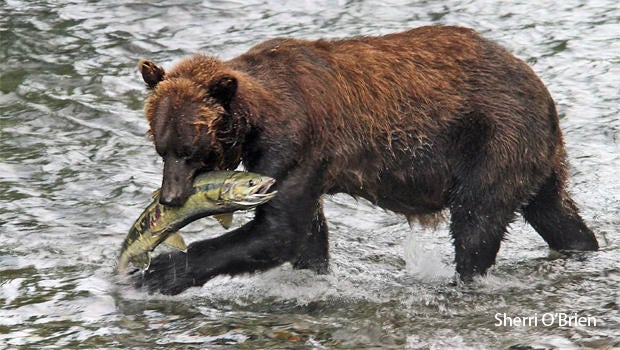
(191, 123)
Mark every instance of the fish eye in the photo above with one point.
(251, 183)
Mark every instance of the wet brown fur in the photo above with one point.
(360, 119)
(431, 118)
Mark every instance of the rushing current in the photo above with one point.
(76, 169)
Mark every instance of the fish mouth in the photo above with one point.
(259, 195)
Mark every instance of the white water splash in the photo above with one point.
(427, 260)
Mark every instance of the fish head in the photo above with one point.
(247, 189)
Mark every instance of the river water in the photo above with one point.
(76, 169)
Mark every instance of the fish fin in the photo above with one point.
(156, 193)
(224, 219)
(176, 241)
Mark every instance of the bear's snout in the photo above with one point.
(177, 182)
(172, 198)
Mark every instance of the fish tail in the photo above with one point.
(141, 261)
(123, 263)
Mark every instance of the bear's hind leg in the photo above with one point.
(554, 215)
(477, 230)
(313, 251)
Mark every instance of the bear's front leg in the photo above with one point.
(313, 251)
(276, 235)
(168, 273)
(253, 247)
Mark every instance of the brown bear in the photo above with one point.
(416, 122)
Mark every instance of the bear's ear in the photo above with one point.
(151, 73)
(223, 89)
